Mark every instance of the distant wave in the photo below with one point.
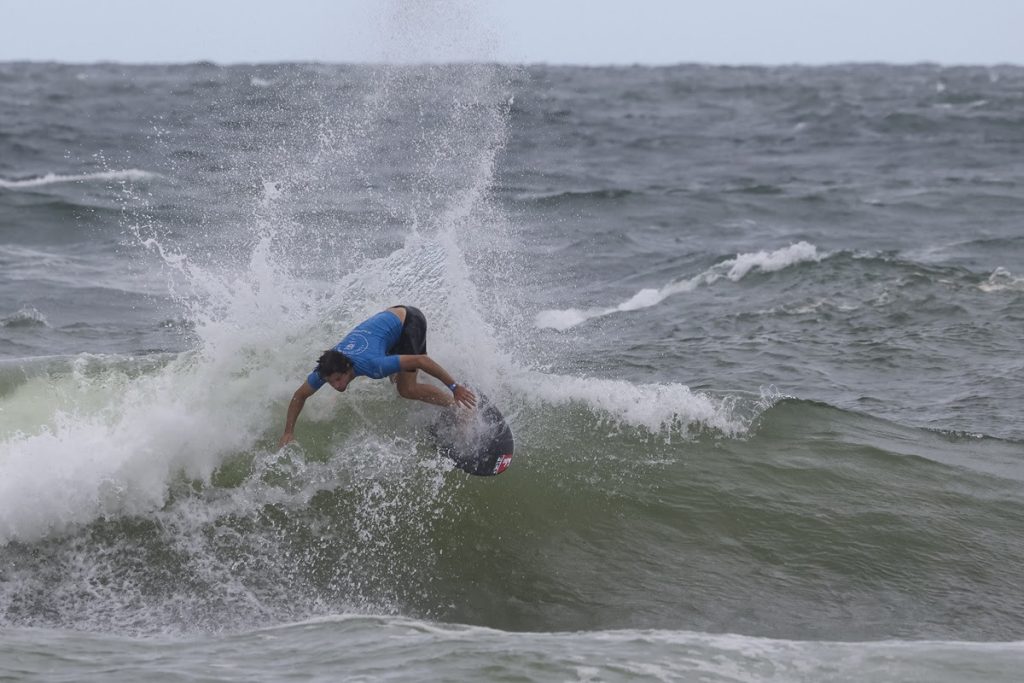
(734, 269)
(556, 198)
(130, 174)
(28, 316)
(1002, 279)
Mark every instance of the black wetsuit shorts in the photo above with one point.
(413, 340)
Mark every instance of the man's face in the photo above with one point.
(339, 380)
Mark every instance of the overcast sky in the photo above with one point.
(553, 31)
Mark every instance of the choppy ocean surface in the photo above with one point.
(757, 330)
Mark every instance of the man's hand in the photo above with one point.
(285, 440)
(464, 396)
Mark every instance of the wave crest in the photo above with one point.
(734, 269)
(1002, 280)
(126, 175)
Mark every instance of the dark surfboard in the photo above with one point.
(479, 442)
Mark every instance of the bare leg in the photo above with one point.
(408, 387)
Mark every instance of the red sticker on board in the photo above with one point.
(503, 463)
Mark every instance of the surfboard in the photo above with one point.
(480, 442)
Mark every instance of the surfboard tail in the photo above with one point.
(503, 462)
(483, 448)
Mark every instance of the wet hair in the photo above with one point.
(331, 362)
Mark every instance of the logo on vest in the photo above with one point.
(354, 344)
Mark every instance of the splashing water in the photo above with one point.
(162, 469)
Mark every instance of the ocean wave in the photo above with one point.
(386, 647)
(364, 516)
(667, 408)
(473, 652)
(1002, 280)
(28, 316)
(126, 175)
(76, 270)
(571, 196)
(733, 269)
(140, 439)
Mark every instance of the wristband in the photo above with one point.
(452, 386)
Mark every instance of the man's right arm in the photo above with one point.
(294, 408)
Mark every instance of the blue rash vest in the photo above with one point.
(367, 347)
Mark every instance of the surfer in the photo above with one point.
(392, 343)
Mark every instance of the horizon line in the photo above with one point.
(541, 63)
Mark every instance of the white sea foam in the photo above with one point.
(100, 440)
(734, 269)
(1001, 280)
(26, 316)
(655, 407)
(126, 175)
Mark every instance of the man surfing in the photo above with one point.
(392, 343)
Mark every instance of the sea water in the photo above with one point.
(757, 331)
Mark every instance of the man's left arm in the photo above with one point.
(428, 365)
